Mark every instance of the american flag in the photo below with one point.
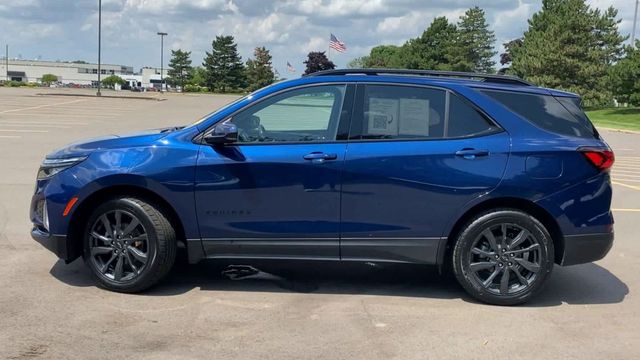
(336, 44)
(290, 67)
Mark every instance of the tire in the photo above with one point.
(127, 255)
(526, 256)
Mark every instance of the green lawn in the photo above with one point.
(616, 118)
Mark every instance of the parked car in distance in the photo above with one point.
(487, 176)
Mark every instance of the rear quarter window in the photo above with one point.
(558, 115)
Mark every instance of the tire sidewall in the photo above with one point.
(152, 241)
(462, 255)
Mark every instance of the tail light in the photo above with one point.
(601, 159)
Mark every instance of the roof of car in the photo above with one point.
(430, 77)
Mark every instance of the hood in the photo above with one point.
(86, 147)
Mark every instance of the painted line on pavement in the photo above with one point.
(10, 136)
(24, 130)
(41, 106)
(626, 185)
(626, 210)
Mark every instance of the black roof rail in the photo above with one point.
(493, 78)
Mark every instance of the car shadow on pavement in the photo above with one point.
(577, 285)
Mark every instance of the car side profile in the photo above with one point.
(487, 176)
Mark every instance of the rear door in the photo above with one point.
(416, 155)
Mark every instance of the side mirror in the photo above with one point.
(224, 133)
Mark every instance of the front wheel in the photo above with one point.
(129, 244)
(503, 257)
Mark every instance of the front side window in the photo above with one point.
(301, 115)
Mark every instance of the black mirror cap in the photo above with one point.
(225, 133)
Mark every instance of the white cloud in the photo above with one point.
(66, 29)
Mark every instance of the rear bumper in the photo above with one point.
(58, 244)
(580, 249)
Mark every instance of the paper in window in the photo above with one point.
(414, 117)
(382, 117)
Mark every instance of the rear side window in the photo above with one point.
(559, 115)
(464, 120)
(391, 112)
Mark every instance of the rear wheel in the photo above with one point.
(503, 257)
(129, 245)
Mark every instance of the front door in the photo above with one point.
(416, 155)
(276, 192)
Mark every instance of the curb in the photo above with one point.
(619, 130)
(105, 96)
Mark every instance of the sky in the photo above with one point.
(66, 30)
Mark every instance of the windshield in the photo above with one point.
(221, 109)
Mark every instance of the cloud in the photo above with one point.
(67, 29)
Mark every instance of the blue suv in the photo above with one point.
(486, 176)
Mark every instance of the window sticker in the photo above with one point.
(414, 117)
(383, 116)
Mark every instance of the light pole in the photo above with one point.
(99, 41)
(635, 20)
(162, 35)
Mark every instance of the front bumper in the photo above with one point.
(58, 244)
(580, 249)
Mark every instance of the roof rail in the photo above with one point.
(493, 78)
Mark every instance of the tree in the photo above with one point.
(359, 62)
(506, 57)
(570, 46)
(625, 76)
(47, 79)
(318, 61)
(112, 80)
(180, 67)
(198, 76)
(432, 49)
(259, 70)
(473, 48)
(223, 65)
(384, 56)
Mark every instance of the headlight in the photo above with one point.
(51, 167)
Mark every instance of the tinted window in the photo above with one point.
(399, 112)
(464, 120)
(308, 114)
(546, 112)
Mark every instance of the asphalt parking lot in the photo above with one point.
(52, 310)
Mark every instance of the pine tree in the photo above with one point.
(473, 50)
(223, 65)
(570, 46)
(318, 61)
(180, 67)
(431, 50)
(259, 70)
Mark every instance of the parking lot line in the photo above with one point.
(41, 106)
(70, 123)
(626, 210)
(24, 130)
(626, 185)
(10, 136)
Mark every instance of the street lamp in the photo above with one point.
(99, 41)
(162, 35)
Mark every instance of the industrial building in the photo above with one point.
(76, 72)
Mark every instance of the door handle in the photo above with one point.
(471, 154)
(319, 157)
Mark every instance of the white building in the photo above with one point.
(78, 73)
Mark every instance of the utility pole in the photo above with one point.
(635, 21)
(99, 42)
(6, 60)
(162, 35)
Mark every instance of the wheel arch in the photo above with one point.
(83, 211)
(523, 205)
